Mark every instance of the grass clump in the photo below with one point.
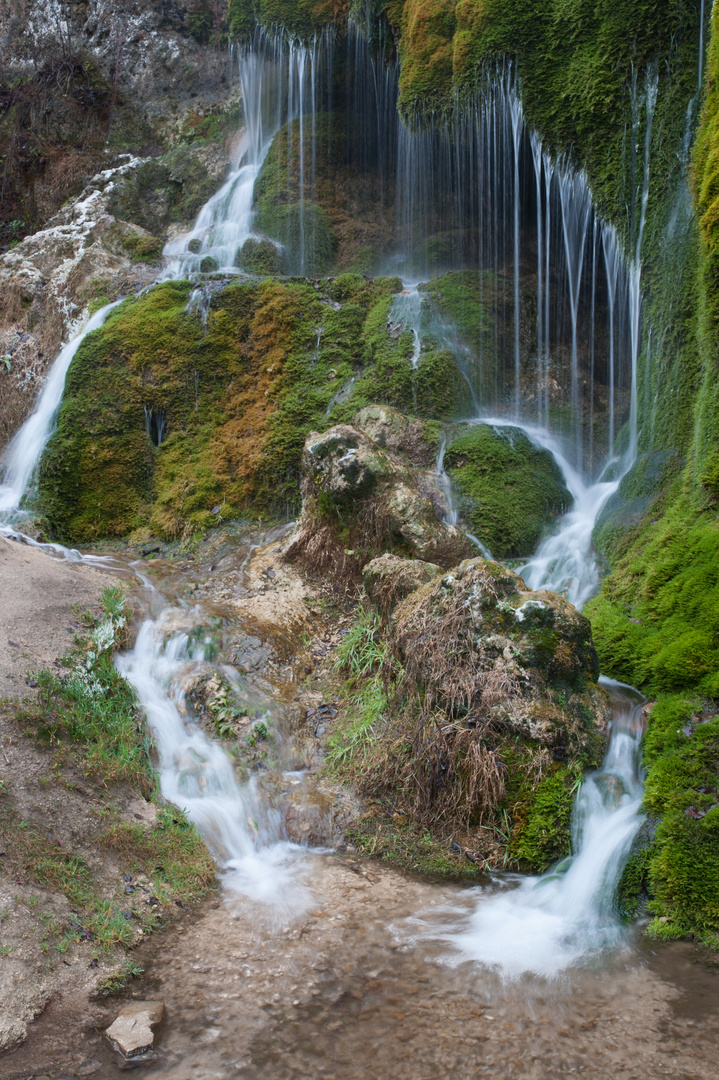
(92, 707)
(173, 851)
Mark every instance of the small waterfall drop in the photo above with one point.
(277, 80)
(545, 925)
(25, 448)
(197, 776)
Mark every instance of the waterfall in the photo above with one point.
(24, 450)
(276, 75)
(635, 275)
(196, 775)
(545, 925)
(576, 211)
(612, 257)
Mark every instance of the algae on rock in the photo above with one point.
(510, 489)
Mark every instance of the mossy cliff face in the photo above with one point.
(230, 402)
(510, 490)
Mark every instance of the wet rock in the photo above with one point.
(397, 433)
(360, 499)
(131, 1033)
(260, 256)
(389, 579)
(510, 490)
(347, 464)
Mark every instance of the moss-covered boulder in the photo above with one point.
(261, 256)
(478, 712)
(510, 490)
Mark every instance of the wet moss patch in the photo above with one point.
(511, 490)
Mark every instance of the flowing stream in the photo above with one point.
(197, 775)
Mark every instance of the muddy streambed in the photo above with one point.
(350, 970)
(347, 991)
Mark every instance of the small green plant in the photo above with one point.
(362, 649)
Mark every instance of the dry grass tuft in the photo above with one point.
(323, 546)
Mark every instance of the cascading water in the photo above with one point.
(196, 775)
(277, 80)
(544, 925)
(25, 448)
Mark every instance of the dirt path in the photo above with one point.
(40, 600)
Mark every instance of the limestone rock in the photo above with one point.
(397, 433)
(345, 463)
(389, 579)
(375, 498)
(131, 1033)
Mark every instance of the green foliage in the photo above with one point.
(92, 706)
(410, 847)
(200, 25)
(511, 490)
(541, 834)
(143, 248)
(298, 18)
(182, 867)
(363, 714)
(362, 649)
(167, 189)
(656, 619)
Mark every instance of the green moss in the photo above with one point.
(409, 847)
(143, 248)
(237, 398)
(299, 18)
(260, 257)
(656, 619)
(541, 834)
(633, 890)
(681, 752)
(510, 490)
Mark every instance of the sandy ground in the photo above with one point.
(346, 990)
(39, 597)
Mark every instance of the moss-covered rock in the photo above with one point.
(261, 256)
(169, 189)
(238, 393)
(486, 712)
(361, 500)
(389, 579)
(510, 489)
